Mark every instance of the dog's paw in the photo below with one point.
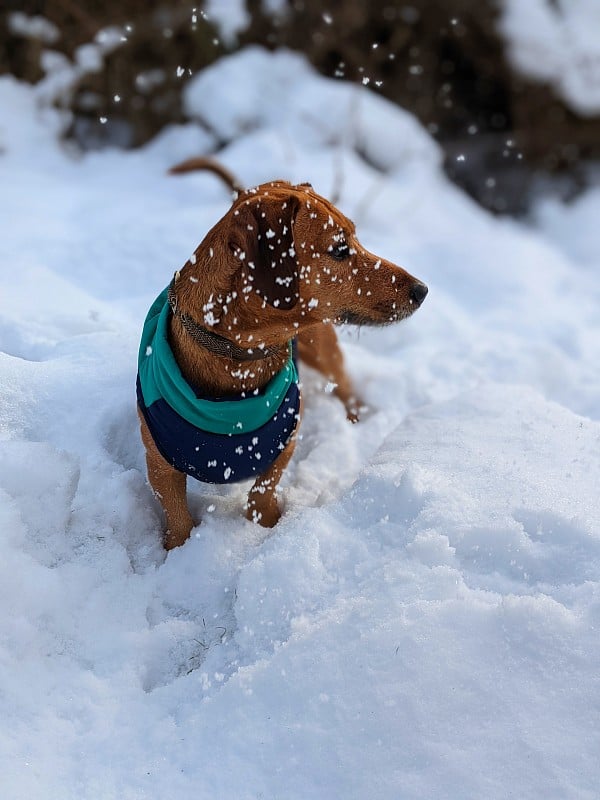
(266, 514)
(354, 407)
(176, 535)
(352, 416)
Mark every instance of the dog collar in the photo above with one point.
(211, 341)
(160, 377)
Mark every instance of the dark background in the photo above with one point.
(443, 60)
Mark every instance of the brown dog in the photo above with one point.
(282, 265)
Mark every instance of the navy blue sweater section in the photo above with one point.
(218, 458)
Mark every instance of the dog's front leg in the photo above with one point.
(319, 348)
(169, 486)
(262, 504)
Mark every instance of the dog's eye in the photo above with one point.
(339, 251)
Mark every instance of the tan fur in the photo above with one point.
(229, 287)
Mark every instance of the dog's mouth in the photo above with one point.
(385, 316)
(386, 312)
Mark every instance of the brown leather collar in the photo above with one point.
(215, 343)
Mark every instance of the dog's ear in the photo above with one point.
(263, 240)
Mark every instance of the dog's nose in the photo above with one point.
(418, 292)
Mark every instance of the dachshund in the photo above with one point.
(217, 388)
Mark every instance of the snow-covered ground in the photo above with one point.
(424, 621)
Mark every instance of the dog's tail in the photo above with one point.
(191, 164)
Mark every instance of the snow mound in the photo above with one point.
(257, 89)
(573, 228)
(25, 123)
(557, 43)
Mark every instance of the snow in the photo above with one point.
(255, 90)
(556, 41)
(423, 622)
(33, 27)
(230, 16)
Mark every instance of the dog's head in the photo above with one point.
(284, 256)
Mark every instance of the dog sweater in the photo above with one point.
(216, 440)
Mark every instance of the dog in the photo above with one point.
(217, 387)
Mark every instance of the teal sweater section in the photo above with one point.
(160, 377)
